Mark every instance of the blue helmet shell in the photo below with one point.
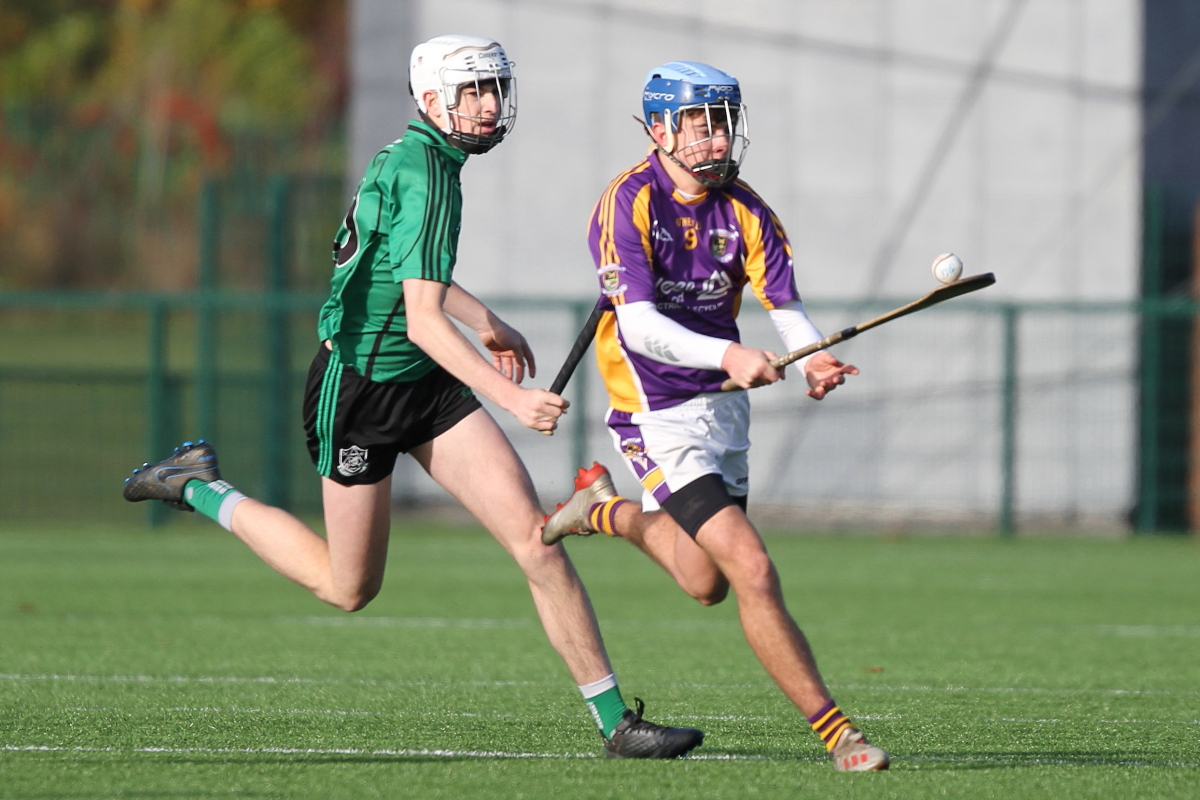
(679, 84)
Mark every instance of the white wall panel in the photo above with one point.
(848, 102)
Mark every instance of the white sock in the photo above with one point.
(225, 516)
(601, 686)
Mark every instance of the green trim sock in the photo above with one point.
(215, 500)
(603, 699)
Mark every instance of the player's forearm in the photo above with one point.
(431, 330)
(467, 309)
(794, 327)
(649, 333)
(434, 333)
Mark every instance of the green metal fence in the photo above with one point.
(93, 384)
(110, 380)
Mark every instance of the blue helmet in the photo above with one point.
(680, 86)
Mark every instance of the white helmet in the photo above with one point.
(445, 64)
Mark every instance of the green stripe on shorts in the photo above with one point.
(326, 413)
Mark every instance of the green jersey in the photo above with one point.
(403, 223)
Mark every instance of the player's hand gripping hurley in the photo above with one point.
(938, 295)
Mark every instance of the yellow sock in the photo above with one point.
(603, 516)
(829, 723)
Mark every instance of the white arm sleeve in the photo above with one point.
(795, 328)
(648, 333)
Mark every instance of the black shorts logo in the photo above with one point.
(352, 460)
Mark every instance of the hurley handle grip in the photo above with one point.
(582, 342)
(787, 358)
(939, 295)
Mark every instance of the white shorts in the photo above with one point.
(668, 449)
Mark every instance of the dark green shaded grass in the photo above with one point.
(177, 665)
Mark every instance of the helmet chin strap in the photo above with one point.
(714, 183)
(471, 144)
(704, 180)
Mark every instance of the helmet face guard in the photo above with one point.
(709, 103)
(464, 72)
(718, 125)
(489, 131)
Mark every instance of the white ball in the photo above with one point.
(947, 268)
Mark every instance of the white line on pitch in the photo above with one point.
(721, 717)
(665, 717)
(1039, 760)
(299, 751)
(497, 624)
(1151, 631)
(402, 753)
(411, 622)
(296, 751)
(159, 679)
(299, 711)
(883, 687)
(1023, 721)
(1009, 690)
(268, 679)
(333, 712)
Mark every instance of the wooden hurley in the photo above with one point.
(938, 295)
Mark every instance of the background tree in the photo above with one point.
(116, 113)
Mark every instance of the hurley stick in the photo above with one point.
(578, 350)
(938, 295)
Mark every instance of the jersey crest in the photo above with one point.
(352, 460)
(610, 280)
(722, 244)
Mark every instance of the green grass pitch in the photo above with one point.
(176, 665)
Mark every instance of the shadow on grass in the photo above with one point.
(941, 762)
(1012, 759)
(930, 761)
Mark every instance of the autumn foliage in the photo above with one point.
(115, 113)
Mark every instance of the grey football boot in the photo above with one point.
(853, 753)
(634, 737)
(592, 486)
(166, 480)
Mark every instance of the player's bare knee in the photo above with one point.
(708, 587)
(352, 604)
(711, 595)
(354, 598)
(535, 558)
(355, 602)
(756, 575)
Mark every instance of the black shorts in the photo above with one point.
(699, 501)
(356, 427)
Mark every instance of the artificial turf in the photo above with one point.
(177, 665)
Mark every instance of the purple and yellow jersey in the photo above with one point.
(691, 259)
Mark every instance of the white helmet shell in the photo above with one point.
(445, 64)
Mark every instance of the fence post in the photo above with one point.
(277, 364)
(1147, 508)
(157, 400)
(205, 385)
(1008, 422)
(1150, 366)
(579, 425)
